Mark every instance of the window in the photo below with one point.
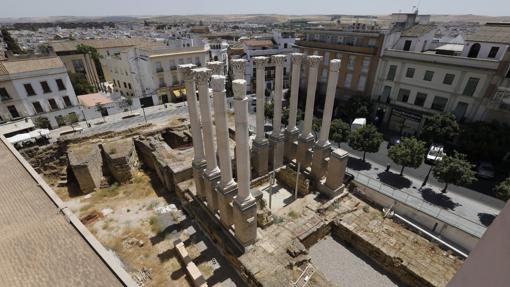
(460, 110)
(67, 101)
(53, 104)
(448, 79)
(37, 107)
(4, 95)
(439, 104)
(474, 50)
(60, 85)
(181, 61)
(159, 68)
(129, 86)
(386, 93)
(125, 85)
(161, 82)
(403, 95)
(391, 73)
(197, 61)
(29, 89)
(428, 76)
(407, 45)
(420, 99)
(45, 87)
(410, 72)
(493, 52)
(285, 45)
(172, 65)
(470, 88)
(13, 111)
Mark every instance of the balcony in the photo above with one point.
(337, 47)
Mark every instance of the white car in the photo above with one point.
(435, 154)
(358, 123)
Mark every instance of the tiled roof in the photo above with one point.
(39, 245)
(91, 100)
(418, 30)
(29, 65)
(258, 43)
(491, 33)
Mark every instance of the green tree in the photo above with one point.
(454, 169)
(365, 139)
(440, 128)
(12, 44)
(96, 57)
(269, 110)
(72, 119)
(484, 141)
(502, 190)
(42, 123)
(408, 153)
(357, 107)
(102, 110)
(80, 84)
(339, 131)
(316, 126)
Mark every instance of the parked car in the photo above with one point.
(393, 141)
(358, 123)
(485, 170)
(435, 154)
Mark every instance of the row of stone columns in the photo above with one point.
(232, 201)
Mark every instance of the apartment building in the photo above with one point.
(279, 43)
(36, 87)
(414, 82)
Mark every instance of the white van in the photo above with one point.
(358, 123)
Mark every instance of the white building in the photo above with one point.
(36, 88)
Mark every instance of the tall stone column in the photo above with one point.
(227, 188)
(245, 207)
(212, 172)
(238, 66)
(260, 148)
(276, 138)
(322, 148)
(336, 171)
(198, 163)
(292, 132)
(216, 67)
(306, 139)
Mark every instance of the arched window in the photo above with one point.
(475, 49)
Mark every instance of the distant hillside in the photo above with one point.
(469, 18)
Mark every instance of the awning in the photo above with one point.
(179, 92)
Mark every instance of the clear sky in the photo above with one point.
(33, 8)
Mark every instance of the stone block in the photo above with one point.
(210, 182)
(245, 222)
(225, 197)
(260, 158)
(87, 166)
(290, 145)
(319, 163)
(304, 153)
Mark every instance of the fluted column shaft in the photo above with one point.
(334, 67)
(313, 66)
(242, 146)
(260, 63)
(278, 60)
(220, 117)
(202, 76)
(194, 117)
(238, 66)
(297, 59)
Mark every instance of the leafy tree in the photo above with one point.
(96, 57)
(339, 131)
(129, 103)
(102, 110)
(269, 110)
(80, 84)
(316, 125)
(357, 107)
(485, 141)
(408, 153)
(72, 119)
(440, 128)
(12, 44)
(502, 190)
(454, 169)
(365, 139)
(42, 123)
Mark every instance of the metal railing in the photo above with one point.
(415, 201)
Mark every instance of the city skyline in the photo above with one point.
(30, 8)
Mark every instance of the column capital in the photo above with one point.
(238, 64)
(218, 83)
(297, 58)
(186, 71)
(260, 62)
(202, 75)
(239, 88)
(278, 60)
(334, 65)
(313, 61)
(216, 67)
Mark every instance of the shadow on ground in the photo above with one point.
(358, 164)
(486, 218)
(438, 199)
(394, 179)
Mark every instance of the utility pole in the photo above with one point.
(297, 180)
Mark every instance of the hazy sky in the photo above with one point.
(31, 8)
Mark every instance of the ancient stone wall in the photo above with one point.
(120, 159)
(177, 139)
(287, 177)
(49, 160)
(86, 163)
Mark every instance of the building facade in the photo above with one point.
(36, 88)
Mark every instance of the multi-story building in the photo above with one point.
(248, 48)
(36, 87)
(413, 82)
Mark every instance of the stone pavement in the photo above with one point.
(468, 214)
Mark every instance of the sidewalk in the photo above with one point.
(463, 212)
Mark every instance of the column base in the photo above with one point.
(198, 172)
(290, 145)
(225, 197)
(210, 182)
(319, 163)
(330, 192)
(260, 158)
(277, 150)
(245, 222)
(304, 154)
